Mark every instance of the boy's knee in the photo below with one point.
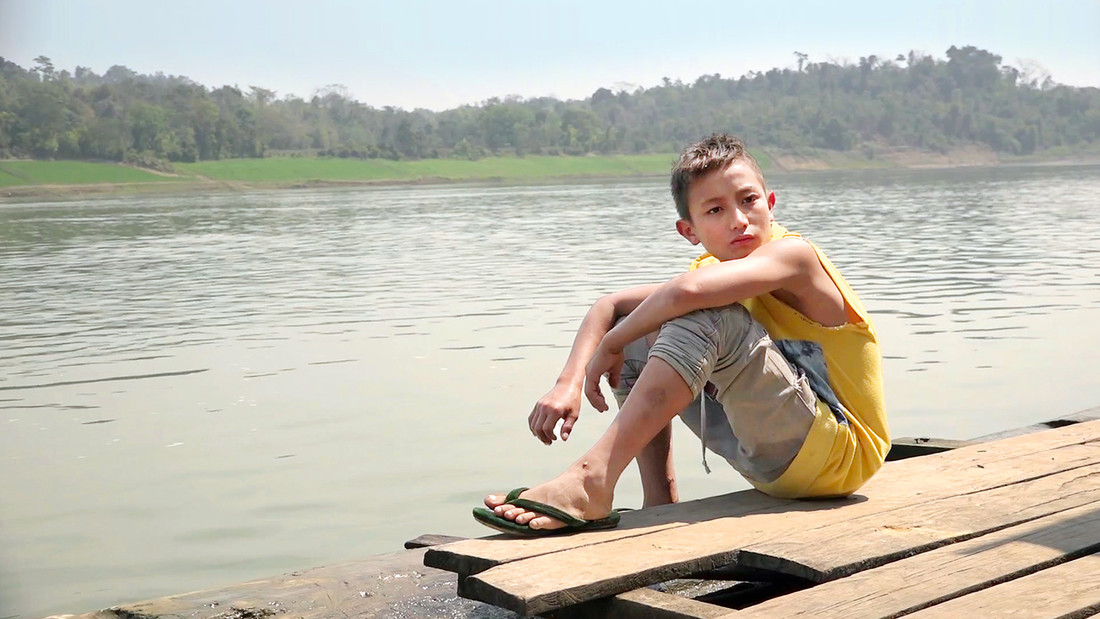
(693, 343)
(716, 328)
(635, 355)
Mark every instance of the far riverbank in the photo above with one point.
(23, 179)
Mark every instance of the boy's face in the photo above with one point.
(730, 213)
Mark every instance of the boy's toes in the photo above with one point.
(538, 521)
(492, 501)
(508, 511)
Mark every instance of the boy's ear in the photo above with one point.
(684, 227)
(771, 200)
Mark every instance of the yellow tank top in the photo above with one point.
(849, 438)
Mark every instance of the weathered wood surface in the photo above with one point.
(1091, 414)
(431, 539)
(598, 565)
(945, 573)
(392, 586)
(1068, 590)
(840, 549)
(644, 604)
(475, 555)
(795, 546)
(911, 447)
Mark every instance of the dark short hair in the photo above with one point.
(714, 152)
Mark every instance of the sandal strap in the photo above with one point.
(549, 510)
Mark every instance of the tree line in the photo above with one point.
(909, 101)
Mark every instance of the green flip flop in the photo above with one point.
(572, 524)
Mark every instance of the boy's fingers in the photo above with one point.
(567, 427)
(535, 423)
(613, 376)
(595, 397)
(546, 432)
(591, 388)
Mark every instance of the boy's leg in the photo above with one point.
(762, 407)
(655, 463)
(657, 470)
(586, 488)
(766, 411)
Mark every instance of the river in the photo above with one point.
(199, 390)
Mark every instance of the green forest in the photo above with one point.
(912, 101)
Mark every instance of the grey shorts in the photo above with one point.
(752, 407)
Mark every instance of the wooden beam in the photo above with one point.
(1091, 414)
(431, 539)
(908, 447)
(839, 549)
(904, 482)
(945, 573)
(475, 555)
(1069, 590)
(643, 604)
(598, 570)
(795, 545)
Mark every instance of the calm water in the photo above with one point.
(200, 390)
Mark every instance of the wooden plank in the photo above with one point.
(856, 544)
(945, 573)
(899, 483)
(431, 539)
(598, 570)
(1091, 414)
(643, 603)
(987, 464)
(820, 551)
(1071, 589)
(910, 447)
(391, 585)
(475, 555)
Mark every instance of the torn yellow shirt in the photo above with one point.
(849, 438)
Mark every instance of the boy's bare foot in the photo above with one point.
(573, 492)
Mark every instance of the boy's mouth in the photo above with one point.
(743, 239)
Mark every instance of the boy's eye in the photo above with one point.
(714, 209)
(749, 199)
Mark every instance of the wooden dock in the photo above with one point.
(1003, 525)
(979, 529)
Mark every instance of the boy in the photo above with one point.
(763, 350)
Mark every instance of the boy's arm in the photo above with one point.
(780, 264)
(563, 402)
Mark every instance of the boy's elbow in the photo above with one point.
(609, 304)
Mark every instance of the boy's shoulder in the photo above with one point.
(810, 287)
(792, 250)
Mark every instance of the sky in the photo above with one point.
(442, 54)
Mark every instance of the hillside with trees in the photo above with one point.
(911, 101)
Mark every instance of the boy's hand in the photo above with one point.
(605, 360)
(563, 402)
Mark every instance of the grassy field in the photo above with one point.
(31, 178)
(289, 169)
(14, 173)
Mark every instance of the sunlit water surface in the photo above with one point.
(201, 390)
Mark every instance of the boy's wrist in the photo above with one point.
(614, 339)
(570, 381)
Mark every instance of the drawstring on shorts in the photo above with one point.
(703, 427)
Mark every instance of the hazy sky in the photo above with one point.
(440, 54)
